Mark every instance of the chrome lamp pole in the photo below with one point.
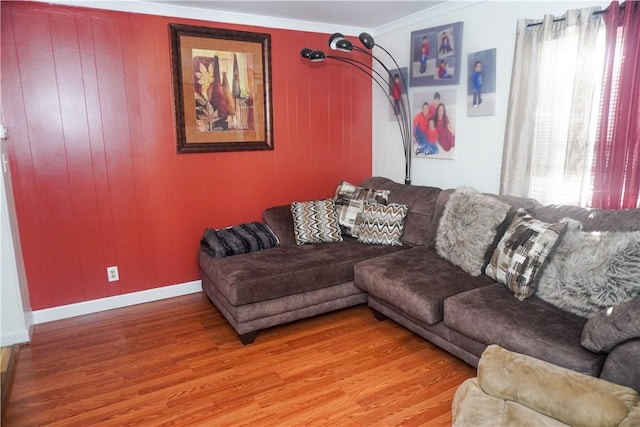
(403, 117)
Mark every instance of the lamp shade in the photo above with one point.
(334, 38)
(344, 45)
(367, 40)
(317, 56)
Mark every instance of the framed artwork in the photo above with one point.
(222, 88)
(434, 124)
(397, 90)
(481, 83)
(435, 55)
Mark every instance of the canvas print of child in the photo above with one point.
(446, 61)
(397, 90)
(481, 89)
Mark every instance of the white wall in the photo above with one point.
(479, 140)
(15, 314)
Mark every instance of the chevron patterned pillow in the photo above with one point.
(315, 222)
(382, 224)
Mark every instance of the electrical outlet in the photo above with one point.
(112, 274)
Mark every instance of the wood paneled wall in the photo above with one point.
(87, 99)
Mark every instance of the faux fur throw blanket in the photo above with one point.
(239, 239)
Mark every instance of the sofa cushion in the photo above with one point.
(515, 202)
(382, 224)
(613, 326)
(287, 270)
(280, 221)
(350, 203)
(620, 367)
(523, 252)
(315, 222)
(591, 219)
(419, 228)
(591, 271)
(468, 228)
(415, 282)
(491, 315)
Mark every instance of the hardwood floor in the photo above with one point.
(178, 362)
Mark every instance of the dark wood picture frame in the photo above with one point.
(222, 89)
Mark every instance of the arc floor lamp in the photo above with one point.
(383, 80)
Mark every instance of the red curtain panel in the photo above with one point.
(617, 151)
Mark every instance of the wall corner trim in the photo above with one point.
(118, 301)
(20, 336)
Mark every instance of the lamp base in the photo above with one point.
(407, 181)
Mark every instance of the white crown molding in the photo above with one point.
(418, 17)
(118, 301)
(159, 9)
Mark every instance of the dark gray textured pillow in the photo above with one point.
(468, 228)
(612, 326)
(591, 271)
(239, 239)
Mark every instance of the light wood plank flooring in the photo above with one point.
(177, 362)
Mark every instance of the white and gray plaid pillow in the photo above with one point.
(350, 199)
(522, 253)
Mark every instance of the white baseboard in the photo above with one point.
(18, 337)
(118, 301)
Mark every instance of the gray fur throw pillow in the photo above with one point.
(591, 271)
(468, 228)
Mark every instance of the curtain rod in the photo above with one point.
(598, 12)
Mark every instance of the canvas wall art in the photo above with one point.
(435, 55)
(397, 90)
(481, 83)
(222, 88)
(433, 124)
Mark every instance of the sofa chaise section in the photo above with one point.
(265, 288)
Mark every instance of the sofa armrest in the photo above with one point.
(621, 365)
(567, 396)
(280, 221)
(611, 327)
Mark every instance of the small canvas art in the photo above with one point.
(397, 90)
(433, 127)
(481, 83)
(435, 55)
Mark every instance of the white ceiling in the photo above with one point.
(358, 14)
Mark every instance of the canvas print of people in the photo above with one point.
(435, 55)
(481, 83)
(433, 126)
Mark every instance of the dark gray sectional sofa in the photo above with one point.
(415, 287)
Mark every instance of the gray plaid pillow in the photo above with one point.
(350, 199)
(522, 252)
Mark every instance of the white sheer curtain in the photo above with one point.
(552, 117)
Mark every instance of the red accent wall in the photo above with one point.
(87, 99)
